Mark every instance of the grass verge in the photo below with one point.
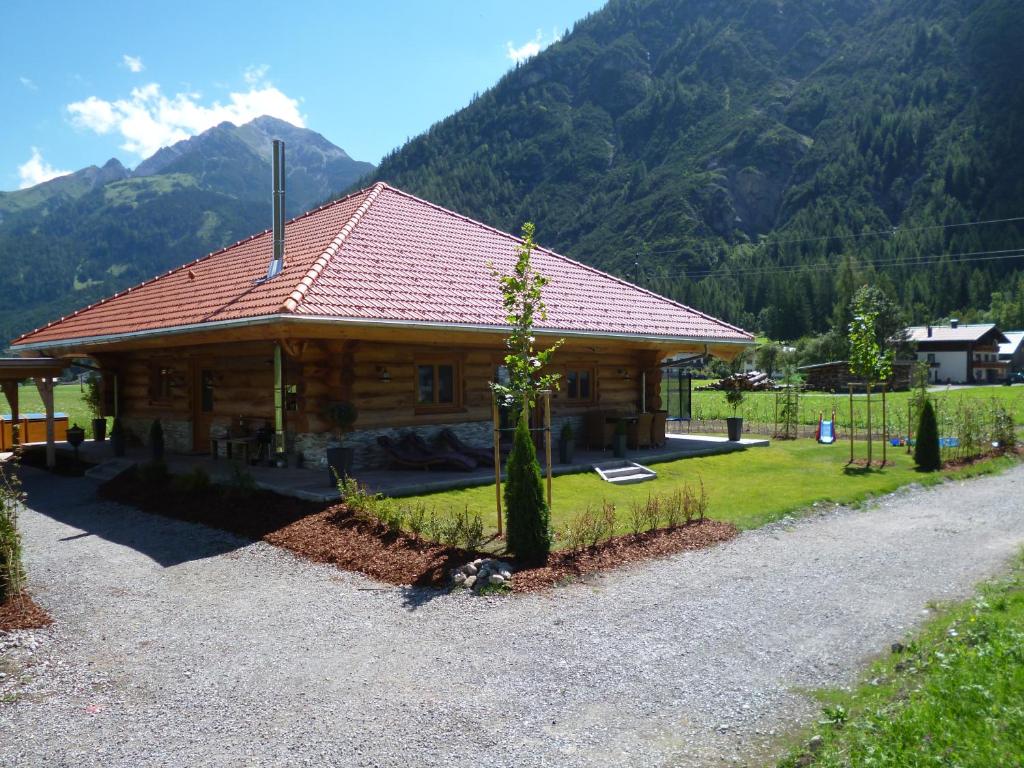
(748, 488)
(953, 696)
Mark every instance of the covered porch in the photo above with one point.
(313, 483)
(44, 371)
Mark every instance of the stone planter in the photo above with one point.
(735, 426)
(99, 430)
(619, 446)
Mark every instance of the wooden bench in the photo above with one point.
(244, 446)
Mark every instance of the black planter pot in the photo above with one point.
(735, 427)
(566, 449)
(339, 462)
(99, 430)
(619, 446)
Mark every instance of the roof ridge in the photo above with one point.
(580, 264)
(186, 265)
(291, 303)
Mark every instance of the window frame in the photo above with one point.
(588, 368)
(161, 382)
(458, 384)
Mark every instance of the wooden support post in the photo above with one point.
(852, 425)
(547, 439)
(10, 390)
(45, 387)
(885, 429)
(867, 393)
(497, 461)
(909, 429)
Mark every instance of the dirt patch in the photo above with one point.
(333, 535)
(21, 612)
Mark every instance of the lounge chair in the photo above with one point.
(452, 441)
(405, 455)
(447, 457)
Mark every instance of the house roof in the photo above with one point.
(380, 255)
(1014, 340)
(966, 333)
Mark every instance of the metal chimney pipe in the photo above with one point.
(277, 262)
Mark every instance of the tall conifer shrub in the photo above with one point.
(926, 450)
(527, 517)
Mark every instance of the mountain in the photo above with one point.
(77, 238)
(734, 153)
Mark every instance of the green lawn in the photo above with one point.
(67, 398)
(760, 406)
(748, 488)
(954, 696)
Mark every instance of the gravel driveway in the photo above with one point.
(177, 645)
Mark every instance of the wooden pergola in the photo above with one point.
(44, 370)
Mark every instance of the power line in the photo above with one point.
(876, 233)
(912, 261)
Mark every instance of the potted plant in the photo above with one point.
(566, 444)
(94, 400)
(118, 439)
(342, 415)
(734, 397)
(619, 440)
(156, 441)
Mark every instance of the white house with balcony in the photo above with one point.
(960, 353)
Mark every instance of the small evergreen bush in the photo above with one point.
(12, 574)
(926, 451)
(156, 440)
(527, 517)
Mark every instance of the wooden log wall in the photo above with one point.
(330, 370)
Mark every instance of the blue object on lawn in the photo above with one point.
(949, 442)
(828, 434)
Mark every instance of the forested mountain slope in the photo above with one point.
(75, 239)
(740, 149)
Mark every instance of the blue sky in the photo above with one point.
(87, 81)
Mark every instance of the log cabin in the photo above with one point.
(379, 299)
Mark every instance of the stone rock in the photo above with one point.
(496, 579)
(460, 578)
(469, 582)
(506, 575)
(815, 744)
(469, 570)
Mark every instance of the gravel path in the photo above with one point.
(176, 645)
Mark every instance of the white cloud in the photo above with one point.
(521, 53)
(132, 63)
(36, 170)
(28, 83)
(255, 74)
(148, 120)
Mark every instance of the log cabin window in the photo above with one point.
(161, 380)
(438, 384)
(579, 385)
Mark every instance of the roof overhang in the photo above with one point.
(76, 346)
(18, 368)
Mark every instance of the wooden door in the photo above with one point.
(203, 400)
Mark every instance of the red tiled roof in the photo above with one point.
(382, 255)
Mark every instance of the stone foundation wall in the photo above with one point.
(369, 455)
(177, 433)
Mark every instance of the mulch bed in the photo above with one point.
(20, 612)
(564, 566)
(333, 535)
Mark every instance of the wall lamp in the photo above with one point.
(624, 373)
(382, 374)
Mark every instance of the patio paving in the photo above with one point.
(312, 483)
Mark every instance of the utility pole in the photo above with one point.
(636, 269)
